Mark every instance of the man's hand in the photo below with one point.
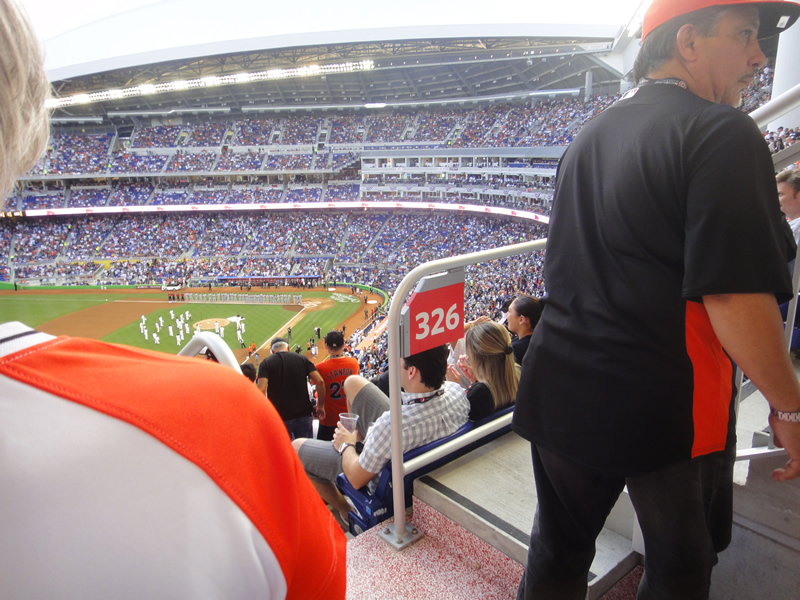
(341, 435)
(787, 436)
(319, 413)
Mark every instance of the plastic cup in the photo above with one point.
(348, 421)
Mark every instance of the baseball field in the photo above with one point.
(119, 315)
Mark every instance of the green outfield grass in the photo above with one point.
(262, 322)
(34, 310)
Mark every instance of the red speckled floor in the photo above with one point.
(448, 563)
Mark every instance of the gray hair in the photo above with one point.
(24, 123)
(659, 45)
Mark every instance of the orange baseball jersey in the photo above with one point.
(135, 474)
(334, 371)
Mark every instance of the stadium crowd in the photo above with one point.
(545, 122)
(376, 248)
(222, 245)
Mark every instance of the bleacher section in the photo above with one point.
(376, 249)
(498, 155)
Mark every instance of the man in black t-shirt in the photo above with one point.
(283, 377)
(666, 252)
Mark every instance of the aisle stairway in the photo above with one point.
(476, 513)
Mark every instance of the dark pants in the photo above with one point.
(325, 432)
(685, 512)
(302, 427)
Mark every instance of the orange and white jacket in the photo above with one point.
(126, 473)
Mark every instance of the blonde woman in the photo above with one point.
(24, 124)
(489, 366)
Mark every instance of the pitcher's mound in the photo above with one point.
(208, 324)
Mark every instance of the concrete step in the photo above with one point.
(491, 493)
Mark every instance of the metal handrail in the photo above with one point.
(206, 339)
(777, 107)
(423, 460)
(399, 469)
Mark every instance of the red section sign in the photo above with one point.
(433, 317)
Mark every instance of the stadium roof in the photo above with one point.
(417, 52)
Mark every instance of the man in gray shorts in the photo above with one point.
(432, 408)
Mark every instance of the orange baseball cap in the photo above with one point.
(775, 15)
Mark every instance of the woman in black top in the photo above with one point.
(489, 366)
(523, 315)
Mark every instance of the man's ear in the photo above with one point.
(685, 42)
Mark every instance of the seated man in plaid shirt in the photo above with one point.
(432, 408)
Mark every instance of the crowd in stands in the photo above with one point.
(209, 196)
(342, 160)
(315, 234)
(782, 138)
(759, 91)
(130, 194)
(304, 195)
(436, 125)
(353, 244)
(300, 131)
(379, 276)
(126, 162)
(207, 134)
(157, 136)
(240, 161)
(139, 193)
(342, 193)
(79, 154)
(375, 249)
(373, 360)
(507, 130)
(36, 241)
(289, 162)
(253, 132)
(43, 200)
(388, 128)
(267, 268)
(546, 122)
(170, 196)
(258, 195)
(308, 267)
(345, 130)
(86, 236)
(151, 236)
(389, 244)
(480, 125)
(191, 161)
(88, 197)
(223, 237)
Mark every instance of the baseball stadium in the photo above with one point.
(262, 172)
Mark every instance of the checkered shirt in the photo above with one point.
(422, 423)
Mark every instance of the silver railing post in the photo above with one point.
(777, 107)
(397, 534)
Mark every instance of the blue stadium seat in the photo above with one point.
(372, 508)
